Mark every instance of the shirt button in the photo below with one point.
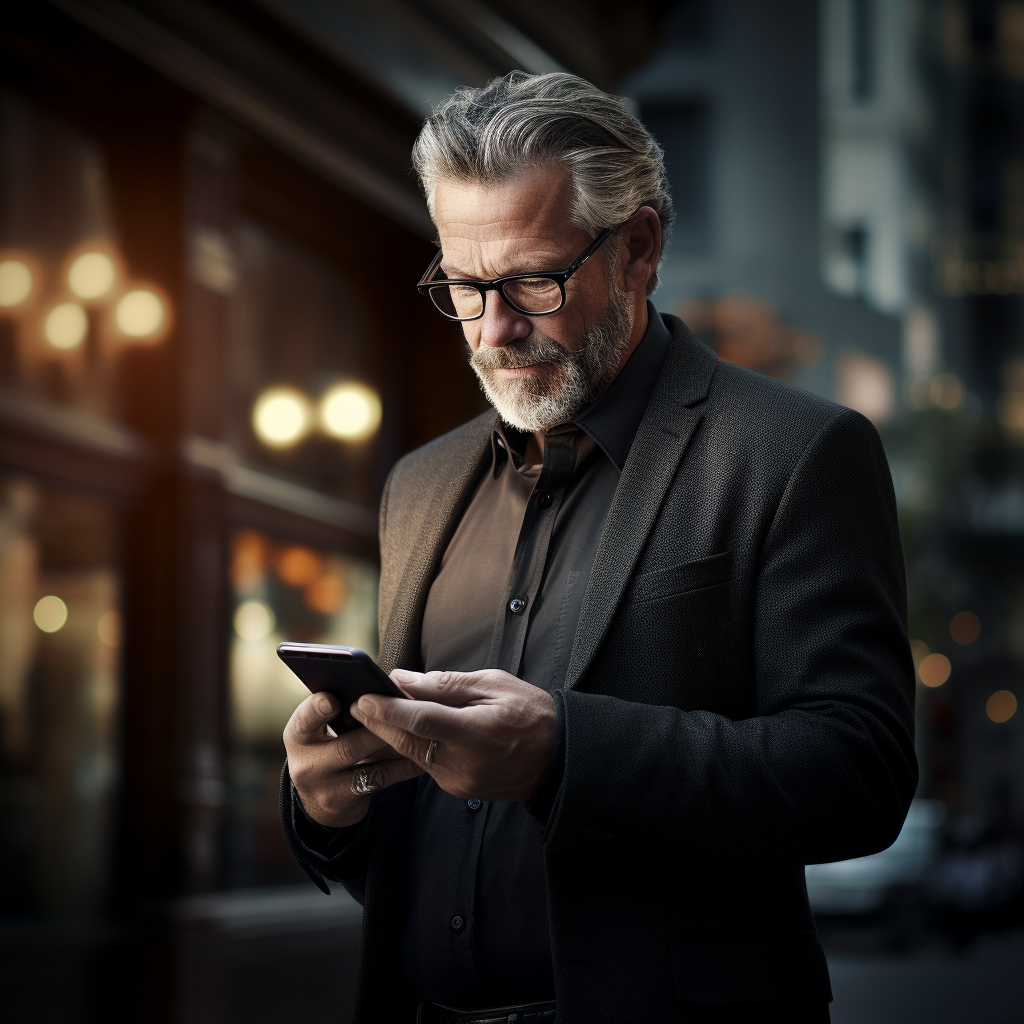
(473, 804)
(544, 501)
(517, 605)
(457, 923)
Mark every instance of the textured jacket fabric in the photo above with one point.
(739, 699)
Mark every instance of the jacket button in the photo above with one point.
(457, 923)
(473, 804)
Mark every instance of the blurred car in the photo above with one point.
(889, 883)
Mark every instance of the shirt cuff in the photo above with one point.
(321, 841)
(545, 796)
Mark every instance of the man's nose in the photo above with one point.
(501, 324)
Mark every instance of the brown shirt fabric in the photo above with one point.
(508, 595)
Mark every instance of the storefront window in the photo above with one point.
(60, 630)
(282, 591)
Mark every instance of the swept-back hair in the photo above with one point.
(522, 121)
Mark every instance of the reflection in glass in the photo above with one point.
(282, 591)
(58, 698)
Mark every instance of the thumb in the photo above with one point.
(451, 688)
(309, 720)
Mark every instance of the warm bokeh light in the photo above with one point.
(281, 417)
(66, 326)
(248, 560)
(965, 628)
(946, 391)
(254, 620)
(140, 313)
(15, 283)
(351, 412)
(327, 595)
(934, 669)
(50, 613)
(109, 629)
(92, 275)
(1001, 706)
(298, 566)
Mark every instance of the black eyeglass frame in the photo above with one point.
(498, 284)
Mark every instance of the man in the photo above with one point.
(650, 616)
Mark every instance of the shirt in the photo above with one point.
(508, 595)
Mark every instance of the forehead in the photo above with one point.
(483, 224)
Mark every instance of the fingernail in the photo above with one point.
(356, 713)
(324, 706)
(403, 675)
(366, 705)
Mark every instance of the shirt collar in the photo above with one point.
(613, 420)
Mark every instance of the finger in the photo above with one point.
(382, 774)
(455, 689)
(420, 718)
(308, 723)
(354, 746)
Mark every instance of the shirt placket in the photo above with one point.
(532, 547)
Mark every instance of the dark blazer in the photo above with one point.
(739, 700)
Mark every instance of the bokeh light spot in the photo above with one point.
(66, 326)
(327, 595)
(946, 391)
(965, 628)
(298, 566)
(1001, 706)
(15, 283)
(140, 313)
(109, 629)
(934, 670)
(281, 417)
(50, 613)
(92, 275)
(254, 620)
(351, 412)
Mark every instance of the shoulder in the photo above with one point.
(420, 468)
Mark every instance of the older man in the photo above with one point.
(650, 615)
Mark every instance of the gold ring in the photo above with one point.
(428, 757)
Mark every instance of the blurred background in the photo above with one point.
(211, 352)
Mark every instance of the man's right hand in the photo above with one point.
(321, 765)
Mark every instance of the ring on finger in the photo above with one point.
(361, 784)
(428, 757)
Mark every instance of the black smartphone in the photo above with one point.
(347, 672)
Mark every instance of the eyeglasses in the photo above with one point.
(531, 294)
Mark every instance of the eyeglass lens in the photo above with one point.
(527, 294)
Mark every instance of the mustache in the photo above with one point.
(517, 354)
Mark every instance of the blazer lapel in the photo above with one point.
(650, 468)
(465, 456)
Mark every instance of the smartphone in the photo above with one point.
(347, 672)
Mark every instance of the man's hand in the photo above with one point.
(322, 765)
(494, 732)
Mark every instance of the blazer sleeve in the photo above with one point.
(826, 770)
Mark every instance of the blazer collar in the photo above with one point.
(658, 448)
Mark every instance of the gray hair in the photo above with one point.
(522, 121)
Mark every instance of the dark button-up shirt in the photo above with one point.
(508, 595)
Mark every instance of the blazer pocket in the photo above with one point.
(678, 579)
(715, 968)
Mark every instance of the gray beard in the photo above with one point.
(574, 380)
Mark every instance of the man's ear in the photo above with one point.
(642, 237)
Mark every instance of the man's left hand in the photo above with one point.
(493, 732)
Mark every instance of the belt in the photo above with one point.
(529, 1013)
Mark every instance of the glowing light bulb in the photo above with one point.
(351, 412)
(92, 275)
(281, 417)
(66, 326)
(50, 613)
(140, 313)
(15, 283)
